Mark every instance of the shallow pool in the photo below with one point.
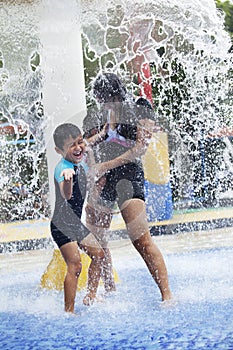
(131, 318)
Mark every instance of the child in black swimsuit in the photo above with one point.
(66, 226)
(118, 157)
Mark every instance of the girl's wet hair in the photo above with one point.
(107, 86)
(63, 132)
(141, 101)
(93, 120)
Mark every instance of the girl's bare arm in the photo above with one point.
(142, 141)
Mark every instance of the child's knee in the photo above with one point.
(74, 268)
(98, 254)
(144, 243)
(101, 254)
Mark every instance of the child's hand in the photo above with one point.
(157, 128)
(150, 126)
(68, 174)
(104, 130)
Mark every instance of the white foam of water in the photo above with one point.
(204, 276)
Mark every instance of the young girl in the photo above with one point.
(120, 171)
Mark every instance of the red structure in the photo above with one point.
(9, 129)
(144, 80)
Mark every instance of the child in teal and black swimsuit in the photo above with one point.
(66, 227)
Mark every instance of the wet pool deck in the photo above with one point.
(196, 318)
(185, 230)
(34, 260)
(27, 244)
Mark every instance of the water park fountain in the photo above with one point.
(175, 53)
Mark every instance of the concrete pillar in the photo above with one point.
(62, 67)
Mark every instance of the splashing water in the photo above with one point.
(187, 51)
(133, 317)
(23, 163)
(188, 55)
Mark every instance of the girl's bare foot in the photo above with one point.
(166, 295)
(110, 288)
(71, 313)
(169, 303)
(89, 299)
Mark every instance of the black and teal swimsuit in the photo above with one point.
(66, 225)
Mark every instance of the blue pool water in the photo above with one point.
(132, 318)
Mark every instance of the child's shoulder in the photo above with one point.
(61, 165)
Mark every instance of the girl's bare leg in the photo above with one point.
(107, 272)
(72, 258)
(96, 253)
(155, 263)
(134, 214)
(98, 222)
